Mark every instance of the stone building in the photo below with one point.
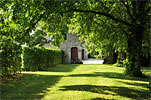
(72, 48)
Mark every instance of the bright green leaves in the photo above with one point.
(37, 38)
(100, 33)
(10, 58)
(56, 38)
(20, 17)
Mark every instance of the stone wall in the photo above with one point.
(72, 41)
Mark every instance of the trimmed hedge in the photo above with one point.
(38, 58)
(10, 57)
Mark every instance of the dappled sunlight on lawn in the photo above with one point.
(47, 73)
(32, 85)
(77, 82)
(109, 90)
(28, 87)
(89, 82)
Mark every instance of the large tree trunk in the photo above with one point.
(135, 38)
(134, 51)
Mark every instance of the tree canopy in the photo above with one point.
(105, 26)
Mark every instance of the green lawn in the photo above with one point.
(77, 82)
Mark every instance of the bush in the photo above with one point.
(119, 63)
(36, 58)
(10, 57)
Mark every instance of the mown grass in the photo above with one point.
(77, 82)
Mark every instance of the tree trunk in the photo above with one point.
(115, 57)
(135, 38)
(134, 51)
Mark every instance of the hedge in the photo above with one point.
(10, 57)
(38, 58)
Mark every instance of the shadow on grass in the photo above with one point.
(63, 68)
(112, 90)
(32, 86)
(28, 86)
(101, 99)
(109, 75)
(135, 84)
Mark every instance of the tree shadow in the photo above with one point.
(32, 86)
(110, 75)
(138, 84)
(28, 86)
(122, 91)
(135, 84)
(101, 99)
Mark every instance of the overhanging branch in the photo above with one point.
(33, 25)
(40, 17)
(128, 9)
(104, 14)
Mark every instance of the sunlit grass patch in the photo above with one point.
(77, 82)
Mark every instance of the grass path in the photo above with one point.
(77, 82)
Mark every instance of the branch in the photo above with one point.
(128, 10)
(33, 25)
(104, 14)
(41, 16)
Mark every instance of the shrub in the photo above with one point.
(38, 58)
(10, 57)
(119, 63)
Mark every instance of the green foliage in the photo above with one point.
(37, 39)
(122, 63)
(10, 57)
(39, 58)
(101, 34)
(119, 25)
(105, 26)
(56, 38)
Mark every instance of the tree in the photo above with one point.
(132, 17)
(18, 18)
(99, 23)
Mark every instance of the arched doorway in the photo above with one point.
(74, 54)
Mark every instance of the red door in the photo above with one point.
(74, 53)
(82, 54)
